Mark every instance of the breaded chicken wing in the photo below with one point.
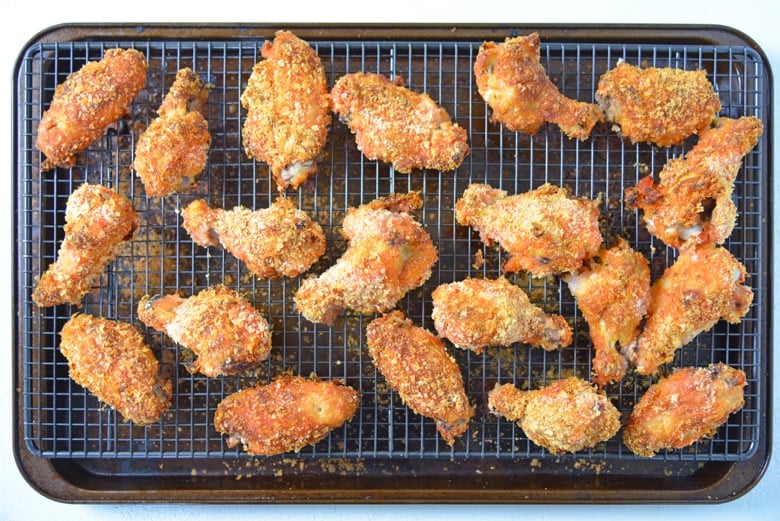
(111, 360)
(288, 106)
(396, 125)
(613, 293)
(389, 254)
(97, 222)
(173, 149)
(226, 333)
(273, 242)
(475, 313)
(512, 81)
(87, 102)
(545, 231)
(566, 416)
(704, 285)
(683, 408)
(662, 106)
(417, 366)
(286, 415)
(692, 202)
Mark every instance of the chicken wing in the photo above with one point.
(613, 293)
(274, 242)
(704, 285)
(512, 81)
(397, 125)
(97, 222)
(286, 415)
(111, 360)
(692, 202)
(417, 366)
(662, 106)
(87, 102)
(546, 231)
(389, 254)
(683, 408)
(475, 313)
(566, 416)
(222, 328)
(288, 110)
(173, 150)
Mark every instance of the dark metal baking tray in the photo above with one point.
(71, 449)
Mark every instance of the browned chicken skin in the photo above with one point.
(692, 202)
(97, 222)
(222, 328)
(173, 150)
(111, 360)
(704, 285)
(566, 416)
(662, 106)
(475, 313)
(613, 293)
(288, 106)
(396, 125)
(683, 408)
(514, 84)
(389, 254)
(546, 231)
(273, 242)
(87, 102)
(286, 415)
(417, 366)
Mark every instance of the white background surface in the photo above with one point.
(19, 501)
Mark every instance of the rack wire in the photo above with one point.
(61, 419)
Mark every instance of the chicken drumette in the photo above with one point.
(692, 202)
(221, 327)
(274, 242)
(566, 416)
(546, 231)
(87, 102)
(684, 407)
(173, 150)
(612, 291)
(111, 360)
(389, 254)
(514, 84)
(704, 285)
(97, 222)
(662, 106)
(397, 125)
(475, 313)
(288, 109)
(417, 366)
(286, 415)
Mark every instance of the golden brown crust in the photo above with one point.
(566, 416)
(397, 125)
(173, 150)
(684, 407)
(286, 415)
(514, 84)
(97, 221)
(87, 102)
(222, 328)
(288, 106)
(111, 360)
(662, 106)
(475, 313)
(417, 366)
(546, 231)
(274, 242)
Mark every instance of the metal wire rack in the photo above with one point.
(61, 419)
